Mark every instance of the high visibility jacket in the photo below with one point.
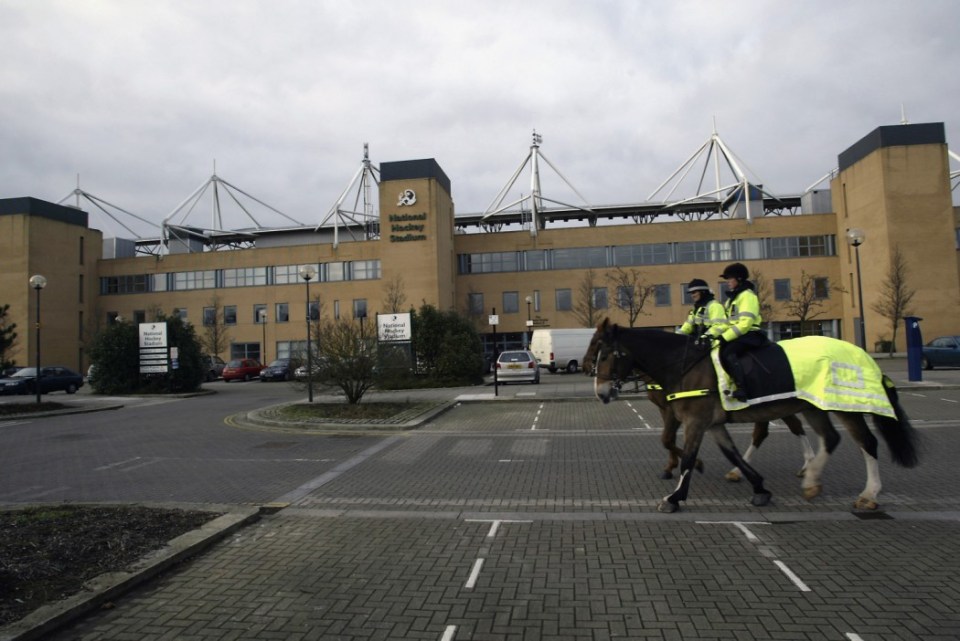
(743, 315)
(702, 318)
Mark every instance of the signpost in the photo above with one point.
(494, 320)
(154, 354)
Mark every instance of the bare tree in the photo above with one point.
(895, 295)
(215, 337)
(345, 359)
(8, 339)
(585, 307)
(807, 300)
(631, 292)
(394, 295)
(764, 293)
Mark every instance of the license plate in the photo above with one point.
(514, 366)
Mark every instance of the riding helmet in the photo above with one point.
(736, 270)
(697, 285)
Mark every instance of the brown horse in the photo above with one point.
(676, 363)
(671, 426)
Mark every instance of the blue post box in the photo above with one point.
(914, 348)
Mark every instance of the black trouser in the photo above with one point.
(730, 353)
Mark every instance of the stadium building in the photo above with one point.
(542, 264)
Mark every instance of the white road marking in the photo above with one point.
(949, 400)
(740, 525)
(793, 577)
(474, 574)
(853, 636)
(915, 394)
(495, 524)
(117, 464)
(448, 633)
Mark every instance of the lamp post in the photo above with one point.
(526, 334)
(263, 327)
(856, 237)
(307, 273)
(38, 282)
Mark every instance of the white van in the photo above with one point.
(560, 348)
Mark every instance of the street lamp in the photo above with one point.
(263, 326)
(526, 336)
(38, 282)
(856, 237)
(307, 273)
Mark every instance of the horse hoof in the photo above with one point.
(865, 504)
(811, 493)
(667, 507)
(760, 499)
(699, 466)
(666, 475)
(733, 476)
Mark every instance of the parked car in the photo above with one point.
(282, 369)
(518, 366)
(214, 366)
(941, 352)
(241, 369)
(52, 379)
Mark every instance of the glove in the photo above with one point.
(720, 341)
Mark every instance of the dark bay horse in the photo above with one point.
(671, 425)
(674, 362)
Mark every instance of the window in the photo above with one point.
(650, 254)
(579, 257)
(209, 316)
(129, 284)
(661, 295)
(701, 251)
(181, 314)
(245, 350)
(290, 274)
(314, 310)
(751, 249)
(81, 250)
(564, 300)
(80, 288)
(139, 316)
(489, 262)
(283, 312)
(259, 314)
(336, 310)
(782, 289)
(685, 295)
(599, 298)
(292, 349)
(194, 280)
(230, 316)
(365, 270)
(535, 260)
(334, 272)
(359, 307)
(80, 326)
(245, 277)
(821, 288)
(511, 302)
(625, 295)
(475, 304)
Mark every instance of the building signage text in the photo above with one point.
(407, 227)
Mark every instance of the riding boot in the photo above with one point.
(736, 373)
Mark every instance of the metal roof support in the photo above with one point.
(367, 175)
(954, 175)
(99, 202)
(536, 196)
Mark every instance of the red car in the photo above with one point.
(241, 369)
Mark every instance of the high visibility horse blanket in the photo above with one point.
(831, 374)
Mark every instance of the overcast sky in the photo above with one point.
(140, 98)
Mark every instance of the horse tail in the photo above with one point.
(899, 435)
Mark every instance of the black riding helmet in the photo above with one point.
(697, 285)
(736, 270)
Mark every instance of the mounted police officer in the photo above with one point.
(707, 310)
(742, 331)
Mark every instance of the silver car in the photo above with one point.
(518, 366)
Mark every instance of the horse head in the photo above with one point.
(607, 361)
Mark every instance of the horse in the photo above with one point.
(671, 426)
(681, 367)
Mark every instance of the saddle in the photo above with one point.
(766, 371)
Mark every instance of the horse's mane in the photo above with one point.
(677, 351)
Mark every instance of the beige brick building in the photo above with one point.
(894, 184)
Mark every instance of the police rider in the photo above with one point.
(707, 310)
(742, 331)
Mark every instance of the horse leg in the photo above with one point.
(761, 496)
(693, 436)
(668, 437)
(761, 429)
(857, 427)
(796, 427)
(829, 439)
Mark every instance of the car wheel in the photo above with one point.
(71, 389)
(572, 367)
(925, 363)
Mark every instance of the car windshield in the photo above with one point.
(26, 372)
(235, 364)
(280, 363)
(514, 357)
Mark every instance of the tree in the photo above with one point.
(447, 346)
(8, 339)
(764, 294)
(585, 309)
(631, 292)
(806, 302)
(895, 295)
(215, 337)
(394, 296)
(344, 358)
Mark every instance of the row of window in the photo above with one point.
(699, 251)
(238, 277)
(229, 314)
(661, 296)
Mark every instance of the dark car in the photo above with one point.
(282, 369)
(241, 369)
(52, 379)
(213, 365)
(941, 352)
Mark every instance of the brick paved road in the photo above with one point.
(537, 520)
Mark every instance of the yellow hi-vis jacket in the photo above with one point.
(701, 319)
(743, 315)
